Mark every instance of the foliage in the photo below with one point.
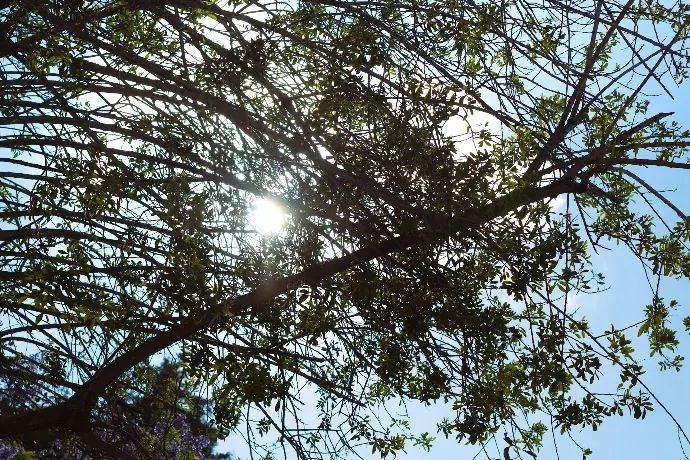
(416, 262)
(167, 421)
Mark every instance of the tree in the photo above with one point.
(166, 420)
(137, 136)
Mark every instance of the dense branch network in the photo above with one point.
(136, 136)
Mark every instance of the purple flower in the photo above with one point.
(182, 436)
(185, 441)
(8, 452)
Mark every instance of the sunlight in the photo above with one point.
(267, 217)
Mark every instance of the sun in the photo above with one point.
(267, 217)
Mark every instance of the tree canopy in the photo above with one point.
(421, 256)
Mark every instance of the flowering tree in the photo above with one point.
(421, 256)
(8, 452)
(166, 421)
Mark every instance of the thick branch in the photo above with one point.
(254, 302)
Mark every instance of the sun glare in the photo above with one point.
(267, 217)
